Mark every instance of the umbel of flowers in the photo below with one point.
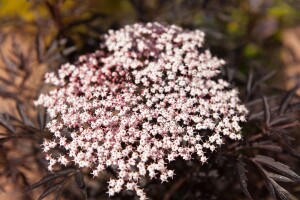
(150, 94)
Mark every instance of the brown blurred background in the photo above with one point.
(38, 35)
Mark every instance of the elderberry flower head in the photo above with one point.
(150, 94)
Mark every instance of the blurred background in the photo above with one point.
(36, 36)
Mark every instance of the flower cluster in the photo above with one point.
(150, 94)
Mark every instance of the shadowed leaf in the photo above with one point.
(39, 45)
(263, 79)
(249, 83)
(51, 189)
(267, 76)
(80, 182)
(271, 147)
(278, 177)
(23, 115)
(271, 188)
(282, 193)
(5, 122)
(287, 99)
(282, 168)
(267, 111)
(50, 177)
(241, 173)
(42, 118)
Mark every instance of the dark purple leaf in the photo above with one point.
(281, 119)
(267, 111)
(4, 121)
(51, 189)
(41, 119)
(271, 188)
(271, 147)
(263, 79)
(23, 115)
(280, 167)
(283, 134)
(80, 182)
(267, 76)
(50, 177)
(249, 83)
(287, 99)
(282, 193)
(39, 45)
(241, 173)
(278, 177)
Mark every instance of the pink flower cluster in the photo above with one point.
(150, 94)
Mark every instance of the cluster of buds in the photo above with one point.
(150, 94)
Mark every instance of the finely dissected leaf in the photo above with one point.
(23, 115)
(271, 188)
(80, 182)
(265, 174)
(4, 121)
(282, 168)
(51, 189)
(267, 111)
(50, 177)
(282, 193)
(278, 177)
(241, 172)
(287, 99)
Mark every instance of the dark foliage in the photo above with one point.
(267, 159)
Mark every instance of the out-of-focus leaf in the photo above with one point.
(262, 79)
(7, 94)
(267, 111)
(284, 134)
(39, 45)
(287, 99)
(270, 147)
(42, 119)
(5, 139)
(249, 83)
(23, 115)
(68, 50)
(50, 177)
(6, 123)
(51, 189)
(80, 182)
(281, 119)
